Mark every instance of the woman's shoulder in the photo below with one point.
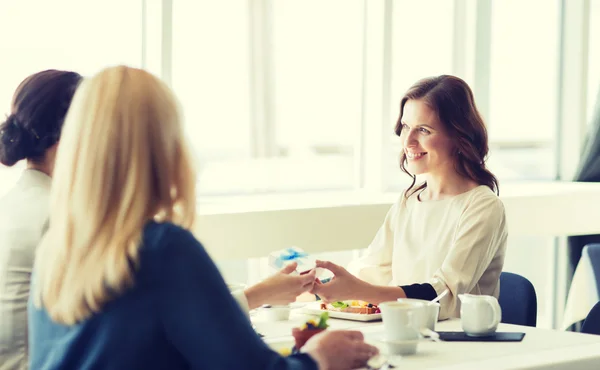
(32, 187)
(484, 203)
(482, 194)
(24, 210)
(159, 235)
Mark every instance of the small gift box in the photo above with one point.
(280, 258)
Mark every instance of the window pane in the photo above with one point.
(211, 76)
(83, 36)
(594, 59)
(66, 34)
(313, 91)
(318, 88)
(421, 42)
(422, 45)
(523, 89)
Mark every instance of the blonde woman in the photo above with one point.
(120, 282)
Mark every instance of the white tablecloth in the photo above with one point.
(540, 349)
(583, 294)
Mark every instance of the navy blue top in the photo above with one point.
(178, 315)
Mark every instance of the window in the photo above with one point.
(421, 46)
(594, 61)
(318, 53)
(274, 102)
(522, 119)
(523, 89)
(211, 77)
(63, 34)
(297, 95)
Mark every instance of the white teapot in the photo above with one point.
(479, 314)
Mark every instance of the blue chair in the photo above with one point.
(517, 300)
(591, 325)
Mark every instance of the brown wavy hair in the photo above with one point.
(453, 102)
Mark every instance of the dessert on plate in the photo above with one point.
(355, 306)
(308, 330)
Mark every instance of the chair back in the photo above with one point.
(517, 300)
(591, 325)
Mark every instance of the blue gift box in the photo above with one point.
(280, 258)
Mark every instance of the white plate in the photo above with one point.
(315, 309)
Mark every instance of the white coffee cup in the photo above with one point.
(402, 323)
(430, 318)
(479, 314)
(275, 312)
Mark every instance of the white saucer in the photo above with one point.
(401, 347)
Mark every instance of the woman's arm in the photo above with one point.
(479, 244)
(200, 317)
(345, 286)
(280, 288)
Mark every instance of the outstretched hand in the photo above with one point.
(281, 288)
(342, 286)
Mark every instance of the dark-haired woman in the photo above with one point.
(448, 230)
(31, 132)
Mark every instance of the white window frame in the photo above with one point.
(571, 123)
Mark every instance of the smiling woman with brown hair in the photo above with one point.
(449, 231)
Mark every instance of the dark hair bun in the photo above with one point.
(39, 107)
(15, 143)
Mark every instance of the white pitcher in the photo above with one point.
(479, 314)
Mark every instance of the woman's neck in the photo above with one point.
(43, 166)
(446, 185)
(46, 164)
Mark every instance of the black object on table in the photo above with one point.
(461, 336)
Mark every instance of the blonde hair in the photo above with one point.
(121, 163)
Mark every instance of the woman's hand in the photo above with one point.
(281, 288)
(342, 286)
(339, 349)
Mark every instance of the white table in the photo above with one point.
(540, 349)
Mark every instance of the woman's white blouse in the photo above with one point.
(457, 243)
(23, 216)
